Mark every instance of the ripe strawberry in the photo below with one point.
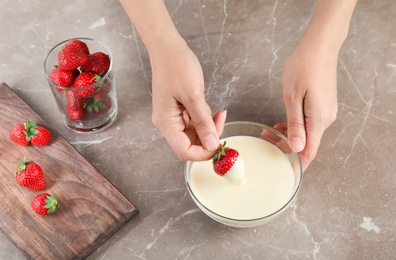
(37, 135)
(45, 204)
(99, 105)
(74, 101)
(80, 45)
(74, 115)
(18, 135)
(42, 137)
(30, 175)
(29, 132)
(98, 63)
(62, 77)
(73, 54)
(101, 102)
(227, 162)
(86, 80)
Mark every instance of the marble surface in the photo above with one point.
(346, 206)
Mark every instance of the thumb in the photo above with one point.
(201, 116)
(295, 124)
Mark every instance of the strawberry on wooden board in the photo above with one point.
(227, 162)
(30, 175)
(45, 204)
(98, 63)
(86, 80)
(42, 136)
(73, 54)
(29, 132)
(18, 135)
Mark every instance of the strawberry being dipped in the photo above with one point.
(228, 163)
(45, 204)
(30, 175)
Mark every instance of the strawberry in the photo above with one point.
(101, 102)
(45, 204)
(62, 77)
(74, 101)
(73, 54)
(86, 80)
(80, 45)
(98, 63)
(99, 105)
(30, 175)
(42, 137)
(228, 162)
(18, 135)
(73, 114)
(29, 132)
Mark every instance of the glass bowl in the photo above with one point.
(277, 143)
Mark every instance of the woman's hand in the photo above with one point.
(310, 78)
(180, 111)
(310, 97)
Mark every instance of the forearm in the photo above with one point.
(152, 21)
(330, 23)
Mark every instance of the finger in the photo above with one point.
(219, 120)
(314, 136)
(183, 140)
(186, 118)
(204, 124)
(185, 151)
(281, 127)
(295, 123)
(197, 152)
(275, 139)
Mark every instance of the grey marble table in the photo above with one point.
(346, 206)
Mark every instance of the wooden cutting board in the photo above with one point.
(91, 208)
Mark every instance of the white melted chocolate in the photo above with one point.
(267, 184)
(237, 172)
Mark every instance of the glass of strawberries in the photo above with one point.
(79, 72)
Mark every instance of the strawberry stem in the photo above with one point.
(51, 203)
(220, 151)
(30, 129)
(22, 165)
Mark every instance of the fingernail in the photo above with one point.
(211, 143)
(225, 114)
(296, 144)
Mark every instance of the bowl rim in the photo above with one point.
(297, 188)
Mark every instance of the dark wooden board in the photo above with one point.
(91, 208)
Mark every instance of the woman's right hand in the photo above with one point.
(180, 111)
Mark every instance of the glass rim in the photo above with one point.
(84, 39)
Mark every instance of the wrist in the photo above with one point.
(164, 42)
(329, 25)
